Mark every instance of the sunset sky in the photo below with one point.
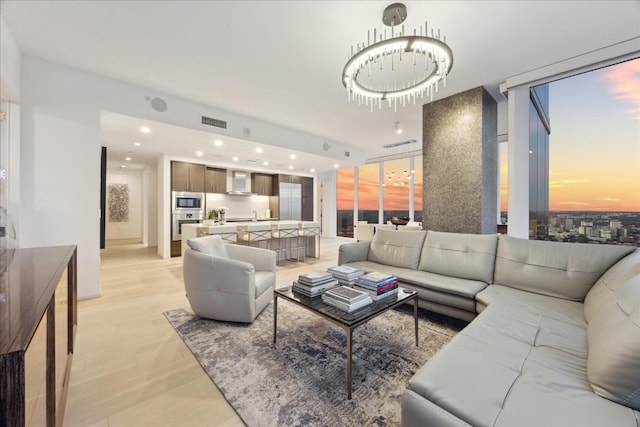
(594, 146)
(594, 149)
(396, 197)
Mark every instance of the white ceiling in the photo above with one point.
(119, 134)
(281, 61)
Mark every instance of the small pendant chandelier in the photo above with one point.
(429, 57)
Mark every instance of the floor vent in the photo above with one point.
(214, 122)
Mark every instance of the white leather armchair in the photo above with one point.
(228, 282)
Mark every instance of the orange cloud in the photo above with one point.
(624, 81)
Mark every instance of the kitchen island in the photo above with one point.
(290, 239)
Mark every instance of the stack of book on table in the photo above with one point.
(344, 274)
(346, 298)
(377, 285)
(314, 283)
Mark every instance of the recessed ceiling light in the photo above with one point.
(128, 159)
(217, 143)
(137, 144)
(199, 153)
(336, 166)
(290, 166)
(145, 129)
(292, 156)
(122, 166)
(312, 170)
(259, 150)
(265, 163)
(235, 159)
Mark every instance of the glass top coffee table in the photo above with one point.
(347, 321)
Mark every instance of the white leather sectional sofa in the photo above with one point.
(554, 338)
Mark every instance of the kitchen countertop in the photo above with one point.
(244, 223)
(248, 219)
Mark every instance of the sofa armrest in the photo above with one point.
(261, 259)
(352, 252)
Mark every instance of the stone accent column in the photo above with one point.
(460, 163)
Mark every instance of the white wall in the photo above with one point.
(149, 206)
(60, 178)
(131, 229)
(61, 120)
(329, 218)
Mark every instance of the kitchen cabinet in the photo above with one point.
(187, 177)
(215, 180)
(262, 184)
(307, 198)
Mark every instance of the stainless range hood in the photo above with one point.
(240, 185)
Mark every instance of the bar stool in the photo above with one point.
(283, 232)
(254, 233)
(308, 229)
(226, 232)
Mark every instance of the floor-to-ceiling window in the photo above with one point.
(539, 129)
(504, 182)
(345, 196)
(395, 178)
(369, 193)
(593, 156)
(396, 189)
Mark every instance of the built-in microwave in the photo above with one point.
(184, 201)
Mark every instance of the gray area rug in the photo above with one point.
(301, 380)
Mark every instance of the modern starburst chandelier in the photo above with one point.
(415, 64)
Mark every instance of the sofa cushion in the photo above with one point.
(552, 307)
(564, 270)
(606, 286)
(209, 245)
(513, 367)
(614, 347)
(451, 291)
(467, 256)
(396, 249)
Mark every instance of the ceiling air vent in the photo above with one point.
(398, 144)
(214, 122)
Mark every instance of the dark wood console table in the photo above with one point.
(38, 318)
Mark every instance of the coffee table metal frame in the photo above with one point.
(347, 321)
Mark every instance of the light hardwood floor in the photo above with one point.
(130, 368)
